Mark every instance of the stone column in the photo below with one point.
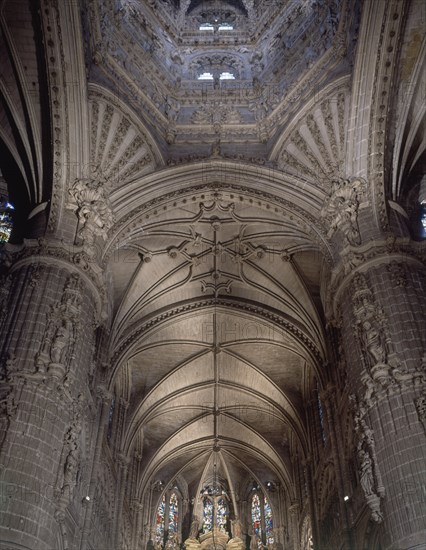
(293, 512)
(137, 525)
(307, 465)
(330, 405)
(123, 466)
(46, 345)
(105, 398)
(382, 300)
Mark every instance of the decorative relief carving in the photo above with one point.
(5, 285)
(90, 201)
(398, 273)
(369, 473)
(8, 406)
(69, 463)
(420, 404)
(61, 334)
(341, 208)
(381, 374)
(216, 114)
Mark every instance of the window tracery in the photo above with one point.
(167, 522)
(6, 209)
(262, 519)
(215, 508)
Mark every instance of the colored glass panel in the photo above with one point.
(268, 522)
(173, 514)
(207, 515)
(256, 514)
(221, 514)
(159, 528)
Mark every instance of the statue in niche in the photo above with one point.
(70, 472)
(366, 472)
(61, 342)
(373, 340)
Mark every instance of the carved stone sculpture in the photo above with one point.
(366, 472)
(373, 338)
(341, 209)
(369, 473)
(58, 344)
(90, 201)
(61, 342)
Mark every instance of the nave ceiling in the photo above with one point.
(215, 291)
(218, 334)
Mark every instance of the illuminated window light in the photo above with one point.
(206, 76)
(225, 27)
(206, 27)
(227, 76)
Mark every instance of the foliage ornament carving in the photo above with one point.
(341, 208)
(369, 473)
(90, 202)
(58, 346)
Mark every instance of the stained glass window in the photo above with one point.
(208, 515)
(256, 515)
(161, 514)
(262, 520)
(6, 224)
(173, 514)
(268, 522)
(221, 514)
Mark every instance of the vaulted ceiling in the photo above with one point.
(216, 261)
(215, 282)
(217, 335)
